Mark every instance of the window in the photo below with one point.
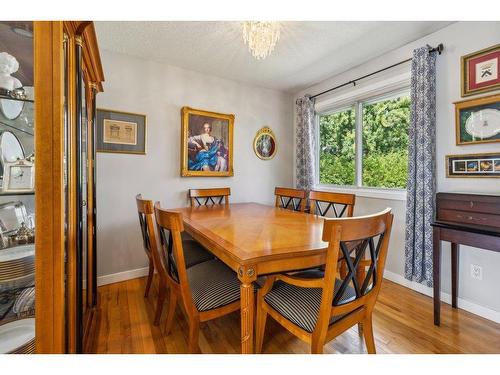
(366, 143)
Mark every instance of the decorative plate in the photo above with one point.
(483, 124)
(17, 334)
(11, 109)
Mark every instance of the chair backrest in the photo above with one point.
(371, 235)
(322, 202)
(144, 207)
(170, 226)
(146, 220)
(208, 197)
(291, 199)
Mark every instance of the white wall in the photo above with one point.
(159, 91)
(461, 38)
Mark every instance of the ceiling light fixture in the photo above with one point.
(261, 37)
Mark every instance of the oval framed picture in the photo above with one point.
(264, 144)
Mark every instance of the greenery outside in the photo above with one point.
(385, 145)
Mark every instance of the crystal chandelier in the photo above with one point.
(261, 37)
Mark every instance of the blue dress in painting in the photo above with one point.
(205, 158)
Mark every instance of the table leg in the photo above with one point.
(454, 273)
(247, 298)
(436, 267)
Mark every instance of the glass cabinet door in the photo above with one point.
(17, 171)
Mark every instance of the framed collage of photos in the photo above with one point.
(473, 165)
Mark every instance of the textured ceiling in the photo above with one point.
(306, 53)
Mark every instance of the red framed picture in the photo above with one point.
(480, 71)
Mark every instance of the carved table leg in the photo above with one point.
(454, 273)
(247, 275)
(436, 269)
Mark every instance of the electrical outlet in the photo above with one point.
(476, 272)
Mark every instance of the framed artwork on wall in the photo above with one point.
(264, 144)
(120, 132)
(480, 71)
(206, 143)
(473, 165)
(478, 120)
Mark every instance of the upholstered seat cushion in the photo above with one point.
(194, 253)
(301, 305)
(213, 285)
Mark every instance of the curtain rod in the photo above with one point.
(439, 48)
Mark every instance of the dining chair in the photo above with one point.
(205, 291)
(208, 197)
(330, 204)
(325, 203)
(193, 251)
(318, 306)
(292, 199)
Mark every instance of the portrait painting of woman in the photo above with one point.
(207, 139)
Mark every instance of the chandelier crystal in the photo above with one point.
(261, 37)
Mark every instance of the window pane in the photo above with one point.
(337, 151)
(385, 142)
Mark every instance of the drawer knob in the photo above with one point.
(471, 204)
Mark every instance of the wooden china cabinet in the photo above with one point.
(54, 90)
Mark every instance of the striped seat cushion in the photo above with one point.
(301, 305)
(194, 253)
(213, 285)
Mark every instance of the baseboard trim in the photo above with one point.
(463, 304)
(122, 276)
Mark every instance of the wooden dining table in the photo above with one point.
(254, 240)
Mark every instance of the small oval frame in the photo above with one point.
(265, 131)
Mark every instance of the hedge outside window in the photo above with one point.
(382, 152)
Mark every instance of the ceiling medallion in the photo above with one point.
(261, 37)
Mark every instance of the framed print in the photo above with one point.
(478, 120)
(18, 177)
(120, 132)
(206, 143)
(264, 144)
(473, 165)
(480, 71)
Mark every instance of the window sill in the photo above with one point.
(388, 194)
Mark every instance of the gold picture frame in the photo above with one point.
(483, 165)
(136, 122)
(464, 108)
(264, 144)
(206, 143)
(466, 87)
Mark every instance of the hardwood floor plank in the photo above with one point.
(402, 319)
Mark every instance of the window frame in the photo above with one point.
(357, 101)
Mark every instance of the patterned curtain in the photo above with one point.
(421, 168)
(305, 143)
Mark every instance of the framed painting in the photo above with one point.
(264, 144)
(478, 120)
(206, 143)
(479, 71)
(473, 165)
(120, 132)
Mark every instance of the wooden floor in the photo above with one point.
(402, 324)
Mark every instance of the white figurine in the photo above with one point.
(8, 66)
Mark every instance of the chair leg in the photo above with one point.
(162, 293)
(317, 346)
(194, 331)
(172, 304)
(368, 333)
(150, 277)
(260, 326)
(360, 329)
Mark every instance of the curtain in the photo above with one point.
(305, 154)
(421, 168)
